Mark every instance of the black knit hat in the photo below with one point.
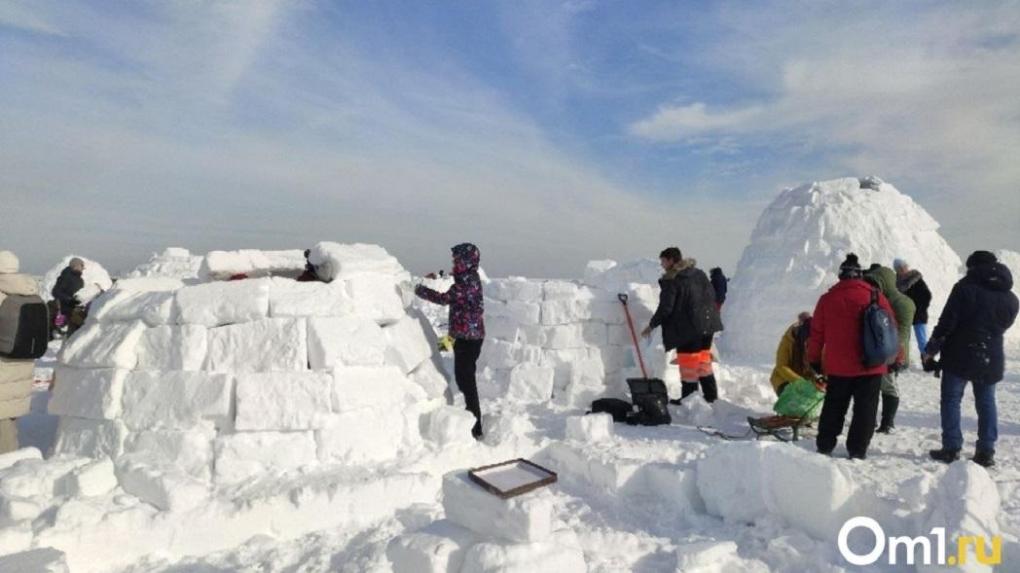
(850, 268)
(978, 258)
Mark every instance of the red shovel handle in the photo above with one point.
(633, 334)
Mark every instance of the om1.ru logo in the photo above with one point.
(912, 544)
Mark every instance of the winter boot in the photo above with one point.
(708, 388)
(890, 404)
(985, 458)
(944, 455)
(686, 389)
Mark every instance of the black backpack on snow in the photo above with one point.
(651, 399)
(618, 409)
(24, 327)
(880, 343)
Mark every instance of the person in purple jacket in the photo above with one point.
(467, 324)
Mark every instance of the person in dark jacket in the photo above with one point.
(689, 318)
(835, 343)
(467, 323)
(968, 337)
(719, 281)
(68, 284)
(911, 283)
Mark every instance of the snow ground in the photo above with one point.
(620, 522)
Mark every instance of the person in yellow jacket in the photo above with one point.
(791, 356)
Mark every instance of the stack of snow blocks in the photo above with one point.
(568, 342)
(200, 390)
(483, 532)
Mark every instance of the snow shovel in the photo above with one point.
(648, 394)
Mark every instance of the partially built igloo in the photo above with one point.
(197, 391)
(800, 240)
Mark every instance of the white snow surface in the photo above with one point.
(321, 436)
(173, 262)
(799, 242)
(1012, 260)
(95, 277)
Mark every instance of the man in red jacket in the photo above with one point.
(836, 334)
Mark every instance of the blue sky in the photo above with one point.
(548, 133)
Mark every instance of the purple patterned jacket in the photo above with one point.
(465, 298)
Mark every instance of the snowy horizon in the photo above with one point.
(549, 134)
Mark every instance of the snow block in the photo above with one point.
(368, 435)
(243, 455)
(221, 265)
(560, 290)
(147, 284)
(103, 345)
(123, 305)
(966, 501)
(498, 354)
(501, 327)
(270, 345)
(714, 556)
(449, 425)
(376, 297)
(190, 451)
(43, 560)
(514, 289)
(178, 347)
(731, 481)
(437, 548)
(10, 458)
(596, 467)
(493, 383)
(551, 555)
(14, 510)
(176, 400)
(819, 503)
(165, 487)
(595, 334)
(218, 303)
(565, 311)
(94, 394)
(525, 518)
(344, 341)
(564, 337)
(530, 383)
(340, 261)
(89, 438)
(609, 311)
(431, 380)
(357, 387)
(289, 298)
(586, 382)
(90, 480)
(406, 345)
(283, 400)
(676, 486)
(590, 428)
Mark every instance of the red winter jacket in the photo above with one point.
(836, 329)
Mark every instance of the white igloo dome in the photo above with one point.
(800, 240)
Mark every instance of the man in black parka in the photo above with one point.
(968, 336)
(689, 318)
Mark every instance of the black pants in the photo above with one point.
(864, 391)
(465, 358)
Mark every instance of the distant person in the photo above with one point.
(467, 324)
(15, 374)
(791, 355)
(903, 309)
(309, 274)
(65, 292)
(835, 343)
(689, 318)
(719, 281)
(968, 337)
(911, 283)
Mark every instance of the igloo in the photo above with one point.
(800, 240)
(215, 398)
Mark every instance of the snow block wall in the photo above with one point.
(801, 239)
(190, 389)
(568, 341)
(173, 262)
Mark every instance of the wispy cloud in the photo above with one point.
(673, 122)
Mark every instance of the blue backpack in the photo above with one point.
(880, 342)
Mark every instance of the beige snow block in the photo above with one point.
(357, 387)
(525, 518)
(283, 400)
(218, 303)
(125, 305)
(369, 435)
(270, 345)
(103, 345)
(10, 458)
(345, 341)
(436, 548)
(242, 455)
(289, 298)
(89, 438)
(176, 400)
(376, 296)
(92, 393)
(176, 347)
(191, 451)
(406, 344)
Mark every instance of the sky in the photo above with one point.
(548, 133)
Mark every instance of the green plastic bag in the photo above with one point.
(800, 399)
